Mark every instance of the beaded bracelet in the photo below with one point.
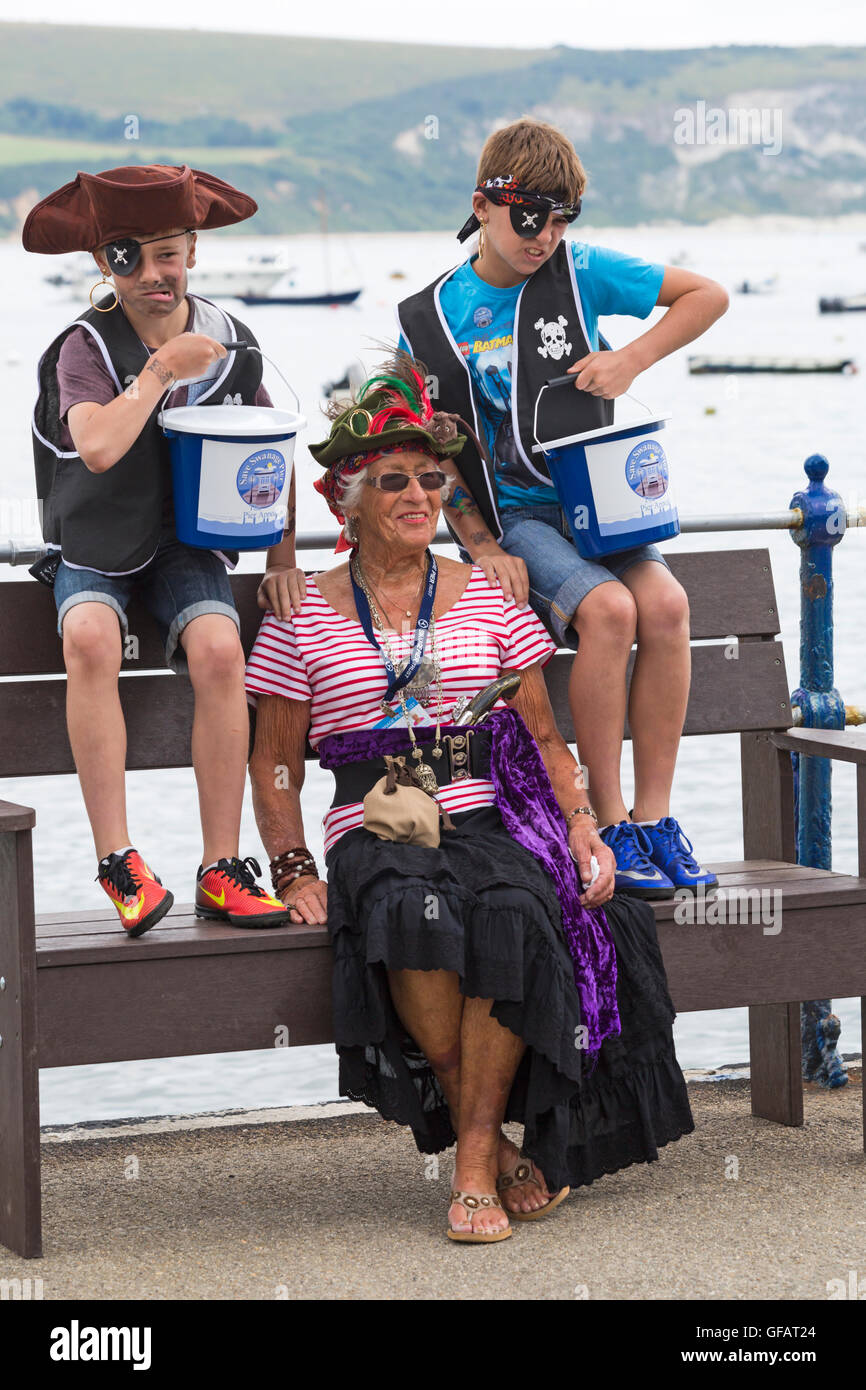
(580, 811)
(291, 864)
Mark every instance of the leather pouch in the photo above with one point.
(398, 808)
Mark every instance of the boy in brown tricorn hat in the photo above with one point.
(104, 480)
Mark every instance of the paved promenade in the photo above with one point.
(342, 1206)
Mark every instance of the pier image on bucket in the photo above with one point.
(646, 469)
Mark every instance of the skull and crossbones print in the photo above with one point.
(553, 343)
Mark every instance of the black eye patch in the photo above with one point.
(528, 219)
(122, 256)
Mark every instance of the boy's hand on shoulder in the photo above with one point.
(187, 357)
(509, 571)
(607, 374)
(282, 591)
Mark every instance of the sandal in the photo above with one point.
(520, 1173)
(473, 1201)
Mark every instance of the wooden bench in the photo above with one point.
(74, 990)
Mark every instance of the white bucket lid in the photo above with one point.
(261, 421)
(645, 427)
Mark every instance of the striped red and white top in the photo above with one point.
(321, 656)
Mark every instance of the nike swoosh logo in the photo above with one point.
(220, 901)
(637, 873)
(131, 911)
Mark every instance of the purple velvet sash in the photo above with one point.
(532, 817)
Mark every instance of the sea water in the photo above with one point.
(739, 445)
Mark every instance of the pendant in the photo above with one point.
(427, 778)
(423, 676)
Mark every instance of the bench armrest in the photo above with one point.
(823, 743)
(14, 817)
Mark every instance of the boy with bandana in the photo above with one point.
(104, 480)
(523, 309)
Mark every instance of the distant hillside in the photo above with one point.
(392, 132)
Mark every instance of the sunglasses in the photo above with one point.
(397, 482)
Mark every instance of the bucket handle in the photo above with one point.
(568, 380)
(253, 348)
(239, 347)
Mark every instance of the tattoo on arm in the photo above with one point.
(290, 520)
(462, 501)
(160, 370)
(477, 537)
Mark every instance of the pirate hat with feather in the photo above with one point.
(391, 413)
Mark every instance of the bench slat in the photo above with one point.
(84, 922)
(730, 593)
(183, 1006)
(727, 695)
(73, 944)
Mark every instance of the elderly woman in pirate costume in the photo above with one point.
(475, 980)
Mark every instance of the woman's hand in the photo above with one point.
(507, 570)
(308, 898)
(584, 841)
(282, 590)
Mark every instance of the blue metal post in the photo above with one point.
(822, 707)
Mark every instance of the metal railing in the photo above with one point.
(14, 552)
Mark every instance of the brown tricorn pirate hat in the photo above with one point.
(133, 201)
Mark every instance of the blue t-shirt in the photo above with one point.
(481, 320)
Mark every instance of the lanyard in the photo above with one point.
(396, 680)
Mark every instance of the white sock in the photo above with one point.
(207, 868)
(645, 822)
(117, 851)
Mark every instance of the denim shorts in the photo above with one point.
(180, 583)
(559, 577)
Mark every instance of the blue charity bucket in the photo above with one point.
(613, 483)
(231, 470)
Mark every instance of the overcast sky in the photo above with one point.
(497, 23)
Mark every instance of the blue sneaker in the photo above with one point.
(671, 851)
(635, 871)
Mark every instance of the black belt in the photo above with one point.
(466, 754)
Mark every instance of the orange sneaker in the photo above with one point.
(229, 893)
(135, 890)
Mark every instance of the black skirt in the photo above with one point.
(483, 906)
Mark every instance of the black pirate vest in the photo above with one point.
(112, 521)
(549, 336)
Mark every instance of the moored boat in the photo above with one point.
(701, 366)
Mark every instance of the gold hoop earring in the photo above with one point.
(103, 308)
(481, 240)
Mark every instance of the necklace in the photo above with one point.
(393, 602)
(420, 684)
(426, 774)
